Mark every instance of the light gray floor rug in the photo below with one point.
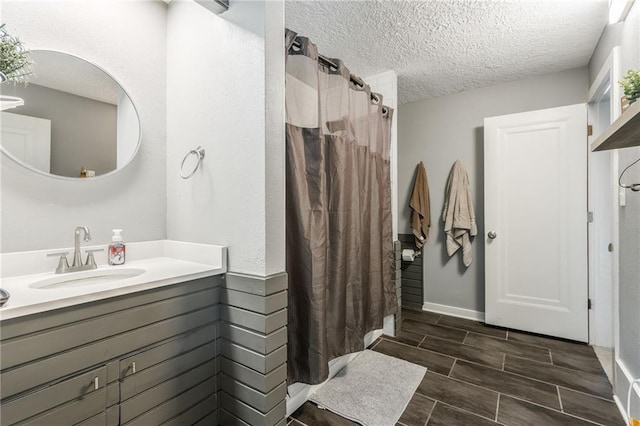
(373, 389)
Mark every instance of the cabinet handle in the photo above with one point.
(133, 367)
(96, 383)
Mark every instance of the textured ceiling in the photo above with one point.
(440, 47)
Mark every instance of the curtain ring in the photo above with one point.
(199, 152)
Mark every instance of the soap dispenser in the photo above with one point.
(116, 248)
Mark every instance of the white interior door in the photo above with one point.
(28, 139)
(536, 220)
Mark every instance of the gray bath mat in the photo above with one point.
(373, 389)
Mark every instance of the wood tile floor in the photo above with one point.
(482, 375)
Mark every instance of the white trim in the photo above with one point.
(618, 10)
(453, 311)
(597, 287)
(628, 378)
(620, 406)
(605, 71)
(388, 328)
(616, 93)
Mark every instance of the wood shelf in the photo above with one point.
(623, 133)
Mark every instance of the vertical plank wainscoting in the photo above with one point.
(397, 266)
(253, 350)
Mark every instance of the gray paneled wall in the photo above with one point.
(253, 350)
(412, 276)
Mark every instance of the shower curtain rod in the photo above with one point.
(354, 79)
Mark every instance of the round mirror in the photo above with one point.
(76, 120)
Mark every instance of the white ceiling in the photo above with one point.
(440, 47)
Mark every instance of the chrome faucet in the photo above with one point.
(63, 264)
(77, 259)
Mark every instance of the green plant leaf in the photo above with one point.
(15, 62)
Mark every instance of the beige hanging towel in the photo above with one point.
(420, 207)
(458, 215)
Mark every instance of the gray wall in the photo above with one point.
(441, 130)
(626, 35)
(83, 130)
(629, 283)
(128, 39)
(610, 37)
(630, 267)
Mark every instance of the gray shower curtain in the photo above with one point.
(339, 241)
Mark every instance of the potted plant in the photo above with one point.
(15, 63)
(631, 85)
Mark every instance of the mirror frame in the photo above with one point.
(79, 179)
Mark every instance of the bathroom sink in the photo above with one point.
(86, 278)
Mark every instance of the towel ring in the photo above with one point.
(199, 152)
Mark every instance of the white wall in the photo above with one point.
(237, 198)
(275, 258)
(127, 38)
(441, 130)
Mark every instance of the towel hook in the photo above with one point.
(199, 152)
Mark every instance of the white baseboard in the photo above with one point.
(626, 378)
(453, 311)
(621, 408)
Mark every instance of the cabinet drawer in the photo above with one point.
(29, 376)
(26, 349)
(158, 354)
(145, 379)
(70, 401)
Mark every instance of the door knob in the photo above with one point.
(492, 235)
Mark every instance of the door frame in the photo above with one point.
(610, 70)
(568, 315)
(598, 208)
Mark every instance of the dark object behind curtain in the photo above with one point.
(339, 240)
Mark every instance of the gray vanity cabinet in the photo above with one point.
(69, 402)
(147, 358)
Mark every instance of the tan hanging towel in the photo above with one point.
(420, 207)
(458, 215)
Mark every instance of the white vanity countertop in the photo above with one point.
(164, 263)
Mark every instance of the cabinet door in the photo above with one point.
(147, 358)
(167, 394)
(70, 401)
(98, 420)
(147, 378)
